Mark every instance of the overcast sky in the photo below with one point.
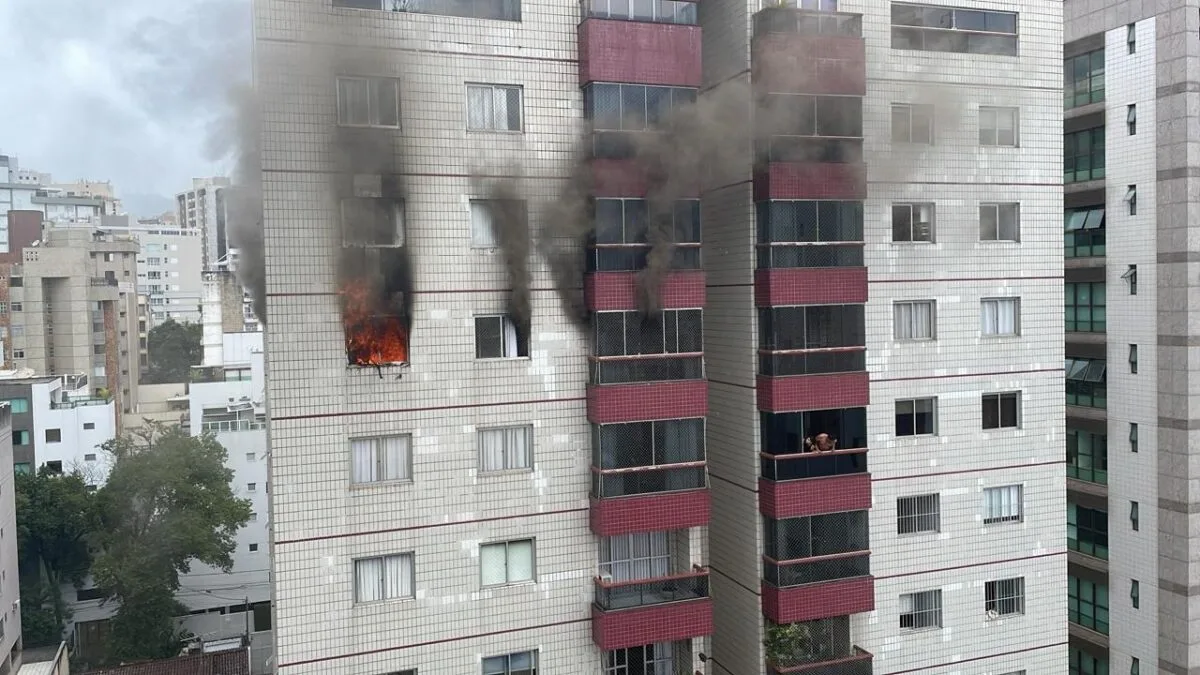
(124, 90)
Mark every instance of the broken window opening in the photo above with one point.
(376, 305)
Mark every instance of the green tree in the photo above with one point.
(172, 349)
(55, 518)
(167, 503)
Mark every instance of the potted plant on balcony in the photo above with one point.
(788, 645)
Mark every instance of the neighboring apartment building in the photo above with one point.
(59, 423)
(10, 594)
(1130, 303)
(203, 208)
(23, 190)
(73, 309)
(883, 269)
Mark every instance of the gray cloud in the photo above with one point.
(128, 91)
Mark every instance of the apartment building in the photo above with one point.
(73, 309)
(58, 422)
(203, 209)
(170, 266)
(1128, 120)
(25, 190)
(877, 276)
(11, 644)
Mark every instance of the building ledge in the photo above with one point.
(1087, 488)
(1087, 561)
(1087, 635)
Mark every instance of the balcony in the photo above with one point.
(633, 388)
(821, 647)
(619, 290)
(810, 483)
(810, 180)
(857, 661)
(809, 52)
(639, 52)
(664, 609)
(817, 587)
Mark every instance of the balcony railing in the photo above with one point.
(614, 595)
(825, 150)
(812, 361)
(632, 257)
(786, 573)
(804, 465)
(501, 10)
(641, 480)
(653, 368)
(788, 19)
(779, 255)
(857, 661)
(652, 11)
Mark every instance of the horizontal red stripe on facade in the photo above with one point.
(649, 625)
(812, 496)
(795, 393)
(646, 401)
(789, 63)
(654, 512)
(810, 180)
(613, 291)
(810, 286)
(639, 53)
(818, 601)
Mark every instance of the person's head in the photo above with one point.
(824, 442)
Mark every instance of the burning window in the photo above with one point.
(376, 283)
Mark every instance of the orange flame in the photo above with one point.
(375, 336)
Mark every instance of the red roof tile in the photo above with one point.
(221, 663)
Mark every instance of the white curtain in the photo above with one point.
(479, 107)
(999, 317)
(354, 97)
(491, 449)
(395, 458)
(661, 658)
(368, 579)
(1002, 502)
(520, 560)
(510, 338)
(913, 320)
(506, 448)
(397, 576)
(482, 235)
(381, 459)
(492, 564)
(641, 555)
(364, 460)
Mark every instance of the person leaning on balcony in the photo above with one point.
(823, 443)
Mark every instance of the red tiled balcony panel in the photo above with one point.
(810, 286)
(810, 180)
(639, 53)
(666, 609)
(810, 64)
(642, 401)
(813, 392)
(618, 291)
(812, 496)
(836, 597)
(651, 512)
(624, 178)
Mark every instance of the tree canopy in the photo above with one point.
(172, 349)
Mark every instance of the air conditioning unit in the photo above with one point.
(606, 578)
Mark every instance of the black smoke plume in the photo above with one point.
(563, 234)
(244, 210)
(510, 226)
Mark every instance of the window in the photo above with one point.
(912, 123)
(655, 658)
(22, 467)
(54, 435)
(999, 317)
(1084, 236)
(658, 11)
(933, 28)
(1131, 37)
(368, 101)
(1087, 531)
(620, 239)
(506, 448)
(85, 594)
(1131, 118)
(508, 562)
(1003, 504)
(54, 466)
(383, 578)
(1084, 79)
(20, 437)
(1004, 597)
(1085, 307)
(999, 222)
(251, 487)
(632, 107)
(1087, 605)
(811, 327)
(1130, 276)
(916, 417)
(500, 10)
(815, 116)
(921, 610)
(921, 513)
(251, 457)
(1131, 199)
(914, 320)
(1083, 663)
(253, 517)
(1133, 359)
(1134, 517)
(380, 460)
(19, 405)
(912, 222)
(19, 282)
(1087, 456)
(253, 548)
(1083, 155)
(16, 307)
(493, 107)
(640, 555)
(998, 126)
(497, 337)
(1087, 383)
(89, 457)
(89, 425)
(1001, 411)
(672, 332)
(1133, 437)
(521, 663)
(483, 220)
(372, 220)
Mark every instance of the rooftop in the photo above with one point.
(234, 662)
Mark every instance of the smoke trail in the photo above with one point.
(244, 215)
(562, 238)
(510, 225)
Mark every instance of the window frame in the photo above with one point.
(508, 667)
(1074, 95)
(379, 460)
(902, 34)
(493, 88)
(398, 218)
(506, 322)
(1096, 154)
(917, 516)
(995, 596)
(1135, 517)
(1087, 231)
(934, 610)
(998, 398)
(1072, 309)
(507, 451)
(910, 111)
(412, 582)
(1081, 592)
(1131, 119)
(1001, 303)
(915, 208)
(999, 209)
(897, 321)
(1096, 543)
(1004, 515)
(508, 581)
(372, 101)
(1096, 455)
(933, 417)
(996, 113)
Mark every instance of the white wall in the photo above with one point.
(77, 442)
